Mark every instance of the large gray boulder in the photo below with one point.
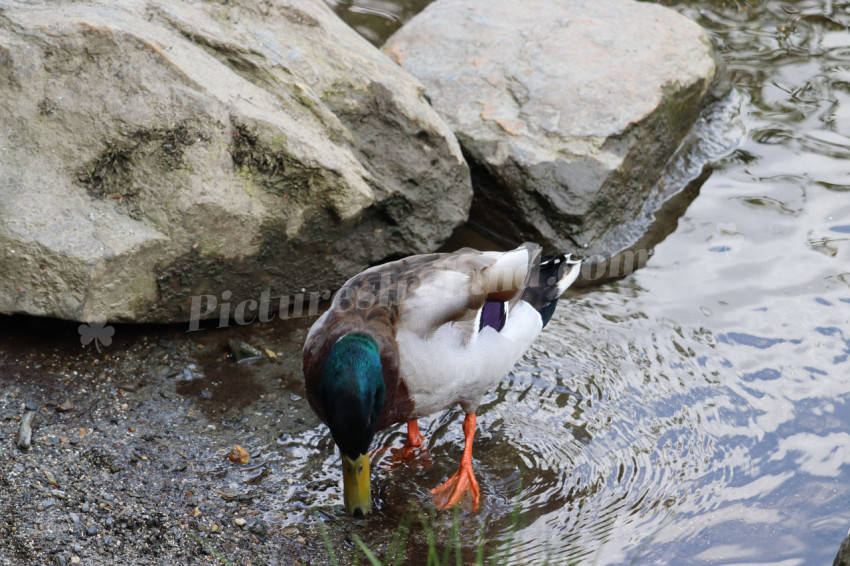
(843, 556)
(567, 110)
(155, 151)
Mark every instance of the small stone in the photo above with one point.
(50, 479)
(66, 406)
(239, 455)
(243, 352)
(294, 397)
(258, 528)
(206, 394)
(75, 560)
(74, 518)
(24, 436)
(31, 406)
(240, 522)
(92, 530)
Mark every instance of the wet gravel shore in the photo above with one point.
(129, 458)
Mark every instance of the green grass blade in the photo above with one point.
(453, 540)
(433, 559)
(479, 553)
(458, 555)
(399, 542)
(206, 546)
(369, 554)
(324, 534)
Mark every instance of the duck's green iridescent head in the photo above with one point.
(352, 392)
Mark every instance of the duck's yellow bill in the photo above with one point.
(356, 490)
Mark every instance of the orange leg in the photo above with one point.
(414, 437)
(415, 442)
(451, 492)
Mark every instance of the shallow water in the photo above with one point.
(697, 410)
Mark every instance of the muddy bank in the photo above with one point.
(129, 459)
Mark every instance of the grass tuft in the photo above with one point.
(327, 540)
(209, 548)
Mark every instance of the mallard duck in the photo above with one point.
(408, 338)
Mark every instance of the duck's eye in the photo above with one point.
(359, 470)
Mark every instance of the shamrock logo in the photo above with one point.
(97, 332)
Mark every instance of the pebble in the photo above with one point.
(74, 518)
(258, 528)
(31, 406)
(48, 475)
(240, 522)
(206, 394)
(92, 530)
(243, 352)
(239, 455)
(24, 437)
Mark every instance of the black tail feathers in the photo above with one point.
(553, 275)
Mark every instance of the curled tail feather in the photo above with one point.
(554, 274)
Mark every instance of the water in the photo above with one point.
(696, 411)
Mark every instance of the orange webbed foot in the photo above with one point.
(463, 481)
(413, 451)
(456, 487)
(412, 448)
